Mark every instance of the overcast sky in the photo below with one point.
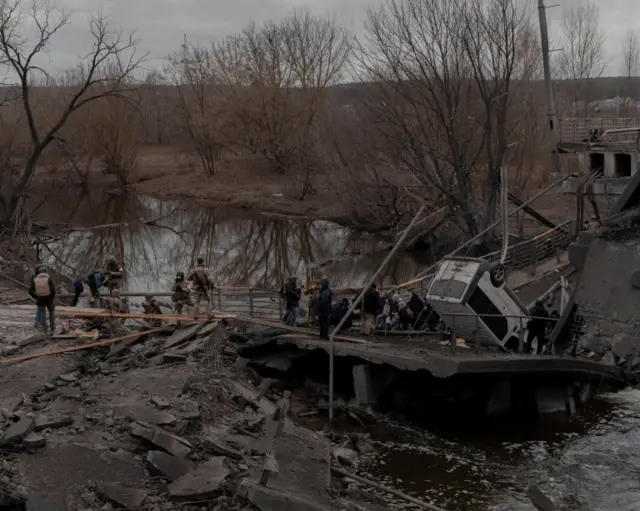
(161, 24)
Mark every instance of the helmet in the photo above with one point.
(180, 275)
(115, 293)
(200, 260)
(111, 259)
(41, 269)
(148, 297)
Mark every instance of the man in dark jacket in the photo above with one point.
(325, 299)
(536, 327)
(338, 311)
(93, 279)
(291, 293)
(370, 309)
(416, 306)
(43, 291)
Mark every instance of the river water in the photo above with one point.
(589, 462)
(156, 238)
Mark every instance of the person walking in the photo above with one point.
(203, 284)
(370, 307)
(93, 279)
(43, 291)
(114, 273)
(536, 327)
(291, 294)
(325, 299)
(181, 293)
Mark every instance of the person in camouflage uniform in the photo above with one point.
(151, 306)
(181, 293)
(202, 284)
(114, 273)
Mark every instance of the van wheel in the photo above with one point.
(497, 274)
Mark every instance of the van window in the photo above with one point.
(480, 304)
(448, 288)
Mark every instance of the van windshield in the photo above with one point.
(448, 288)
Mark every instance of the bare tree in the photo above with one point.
(276, 78)
(191, 72)
(106, 71)
(631, 65)
(581, 60)
(441, 74)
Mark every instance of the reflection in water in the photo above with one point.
(156, 238)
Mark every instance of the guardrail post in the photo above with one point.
(476, 341)
(521, 333)
(454, 335)
(250, 302)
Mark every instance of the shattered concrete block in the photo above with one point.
(17, 431)
(173, 358)
(139, 431)
(623, 346)
(168, 442)
(268, 499)
(161, 402)
(34, 441)
(43, 422)
(167, 466)
(220, 447)
(345, 456)
(202, 482)
(208, 329)
(129, 498)
(182, 335)
(155, 417)
(68, 378)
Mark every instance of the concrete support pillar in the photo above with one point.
(363, 385)
(609, 164)
(569, 401)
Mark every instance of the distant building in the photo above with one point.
(607, 149)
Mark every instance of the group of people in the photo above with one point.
(378, 311)
(188, 291)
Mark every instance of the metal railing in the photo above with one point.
(582, 129)
(521, 255)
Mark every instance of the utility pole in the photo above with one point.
(551, 115)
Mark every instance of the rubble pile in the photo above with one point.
(161, 423)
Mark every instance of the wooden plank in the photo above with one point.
(97, 344)
(91, 313)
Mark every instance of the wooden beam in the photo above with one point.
(70, 313)
(97, 344)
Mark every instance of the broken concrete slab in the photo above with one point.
(168, 442)
(243, 442)
(181, 336)
(129, 498)
(161, 402)
(167, 466)
(143, 414)
(68, 378)
(122, 346)
(202, 482)
(34, 441)
(345, 456)
(623, 346)
(220, 447)
(17, 431)
(43, 422)
(193, 347)
(268, 499)
(208, 328)
(172, 358)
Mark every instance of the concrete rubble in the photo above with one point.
(98, 431)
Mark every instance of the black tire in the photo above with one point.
(497, 274)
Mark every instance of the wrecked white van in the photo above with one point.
(473, 293)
